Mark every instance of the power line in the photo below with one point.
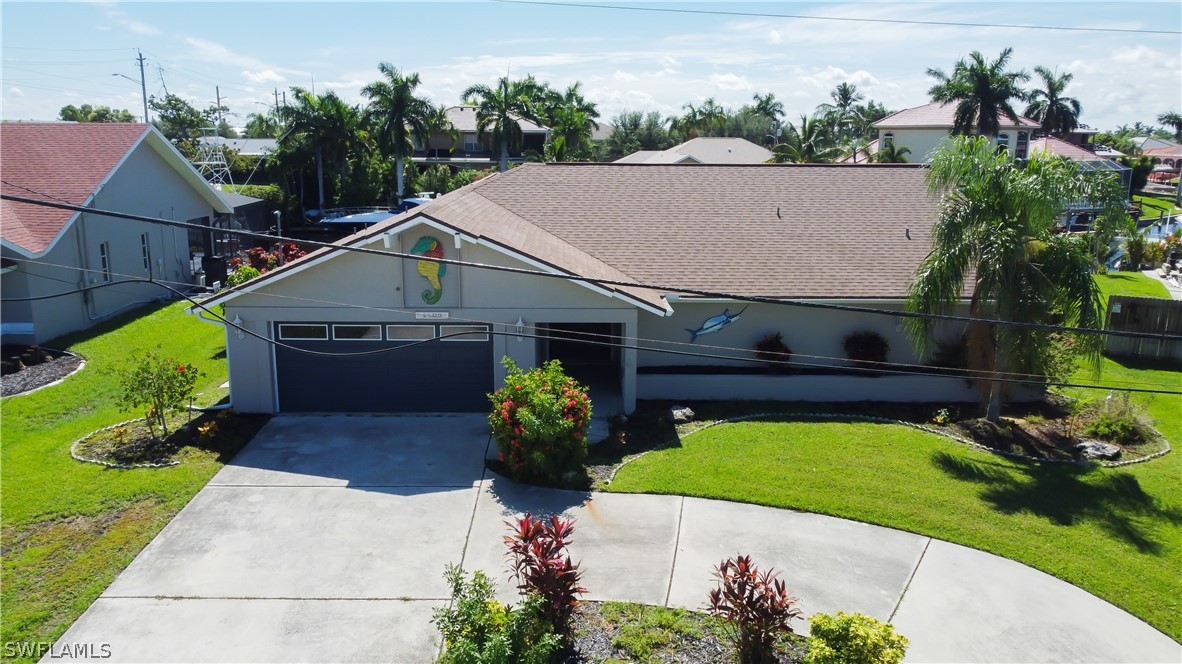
(878, 369)
(711, 12)
(597, 280)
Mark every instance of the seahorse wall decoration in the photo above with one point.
(431, 271)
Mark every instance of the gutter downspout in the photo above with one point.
(229, 404)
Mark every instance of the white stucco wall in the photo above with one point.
(922, 141)
(368, 288)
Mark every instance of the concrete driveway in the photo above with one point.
(326, 539)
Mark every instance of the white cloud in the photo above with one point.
(263, 76)
(670, 62)
(730, 81)
(16, 92)
(830, 76)
(774, 37)
(140, 28)
(623, 76)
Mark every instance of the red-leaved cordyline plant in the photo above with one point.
(755, 606)
(541, 565)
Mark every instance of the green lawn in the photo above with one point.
(1153, 207)
(1130, 283)
(68, 527)
(1114, 532)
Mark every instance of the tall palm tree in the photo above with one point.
(1058, 114)
(808, 142)
(571, 119)
(995, 223)
(702, 120)
(889, 153)
(1172, 119)
(498, 109)
(330, 127)
(982, 91)
(262, 125)
(438, 124)
(397, 117)
(840, 113)
(768, 107)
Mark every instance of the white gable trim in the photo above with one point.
(170, 155)
(420, 219)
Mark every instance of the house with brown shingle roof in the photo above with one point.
(703, 150)
(923, 128)
(469, 148)
(633, 275)
(97, 262)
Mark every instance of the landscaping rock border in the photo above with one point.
(47, 368)
(112, 464)
(691, 430)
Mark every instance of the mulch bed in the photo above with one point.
(50, 366)
(132, 443)
(594, 634)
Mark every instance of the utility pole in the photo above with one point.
(276, 102)
(143, 84)
(218, 92)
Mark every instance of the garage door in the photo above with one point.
(423, 369)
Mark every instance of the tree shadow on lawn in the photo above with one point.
(1066, 495)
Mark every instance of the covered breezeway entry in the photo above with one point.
(590, 353)
(423, 368)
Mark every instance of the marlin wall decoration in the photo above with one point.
(715, 323)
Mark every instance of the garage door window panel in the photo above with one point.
(463, 333)
(357, 332)
(401, 333)
(298, 332)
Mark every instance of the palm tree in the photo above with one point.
(1172, 119)
(262, 125)
(701, 120)
(995, 223)
(571, 119)
(806, 143)
(982, 92)
(840, 113)
(889, 153)
(438, 124)
(397, 116)
(330, 127)
(1059, 115)
(500, 107)
(768, 107)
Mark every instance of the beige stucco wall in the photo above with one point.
(922, 141)
(367, 288)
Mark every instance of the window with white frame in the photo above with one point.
(105, 261)
(410, 332)
(1022, 145)
(463, 333)
(357, 332)
(472, 143)
(1003, 142)
(303, 332)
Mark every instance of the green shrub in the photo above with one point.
(775, 352)
(1119, 419)
(867, 349)
(539, 421)
(241, 276)
(853, 638)
(477, 629)
(755, 607)
(1060, 356)
(160, 383)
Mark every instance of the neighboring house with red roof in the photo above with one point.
(923, 128)
(760, 230)
(129, 168)
(1170, 155)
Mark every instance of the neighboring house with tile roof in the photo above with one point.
(924, 128)
(703, 150)
(471, 149)
(128, 168)
(623, 243)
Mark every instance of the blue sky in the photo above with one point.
(65, 53)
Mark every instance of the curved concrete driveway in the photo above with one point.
(326, 538)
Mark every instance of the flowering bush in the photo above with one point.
(160, 383)
(539, 420)
(263, 260)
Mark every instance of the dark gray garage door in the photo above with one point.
(452, 372)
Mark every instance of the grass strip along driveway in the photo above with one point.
(68, 527)
(1116, 533)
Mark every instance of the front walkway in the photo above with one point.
(326, 538)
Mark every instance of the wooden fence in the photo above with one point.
(1149, 315)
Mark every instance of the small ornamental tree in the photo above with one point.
(755, 606)
(853, 639)
(160, 383)
(539, 421)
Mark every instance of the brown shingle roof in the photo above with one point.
(936, 114)
(60, 161)
(463, 118)
(800, 231)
